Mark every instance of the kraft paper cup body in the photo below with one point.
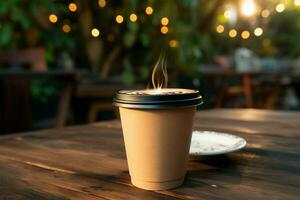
(157, 143)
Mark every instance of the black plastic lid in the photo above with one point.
(157, 98)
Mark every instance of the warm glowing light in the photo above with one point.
(248, 7)
(227, 13)
(149, 10)
(220, 29)
(297, 2)
(119, 19)
(280, 7)
(102, 3)
(133, 17)
(164, 21)
(66, 28)
(164, 30)
(245, 34)
(232, 33)
(265, 13)
(173, 43)
(72, 7)
(258, 31)
(53, 18)
(231, 14)
(161, 91)
(95, 32)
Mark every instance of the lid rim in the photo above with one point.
(156, 106)
(187, 98)
(157, 102)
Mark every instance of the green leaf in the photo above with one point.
(4, 8)
(5, 34)
(19, 16)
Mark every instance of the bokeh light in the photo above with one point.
(149, 10)
(265, 13)
(232, 33)
(133, 17)
(102, 3)
(164, 21)
(258, 31)
(95, 32)
(164, 30)
(231, 14)
(173, 43)
(245, 34)
(248, 7)
(297, 2)
(53, 18)
(119, 19)
(220, 29)
(280, 7)
(66, 28)
(227, 13)
(72, 7)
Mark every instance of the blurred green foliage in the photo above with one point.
(24, 23)
(285, 33)
(141, 42)
(42, 89)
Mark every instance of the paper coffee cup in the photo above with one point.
(157, 128)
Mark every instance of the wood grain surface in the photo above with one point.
(89, 162)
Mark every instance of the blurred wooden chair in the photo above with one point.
(100, 97)
(232, 92)
(243, 88)
(16, 98)
(253, 88)
(35, 57)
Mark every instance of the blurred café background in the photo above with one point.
(61, 61)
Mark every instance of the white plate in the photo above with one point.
(215, 143)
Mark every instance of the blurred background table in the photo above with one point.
(16, 92)
(252, 85)
(89, 162)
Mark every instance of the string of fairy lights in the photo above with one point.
(133, 17)
(249, 9)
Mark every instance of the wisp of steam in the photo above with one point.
(160, 73)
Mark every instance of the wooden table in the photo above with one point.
(89, 162)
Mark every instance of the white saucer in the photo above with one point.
(215, 143)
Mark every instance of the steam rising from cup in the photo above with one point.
(160, 73)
